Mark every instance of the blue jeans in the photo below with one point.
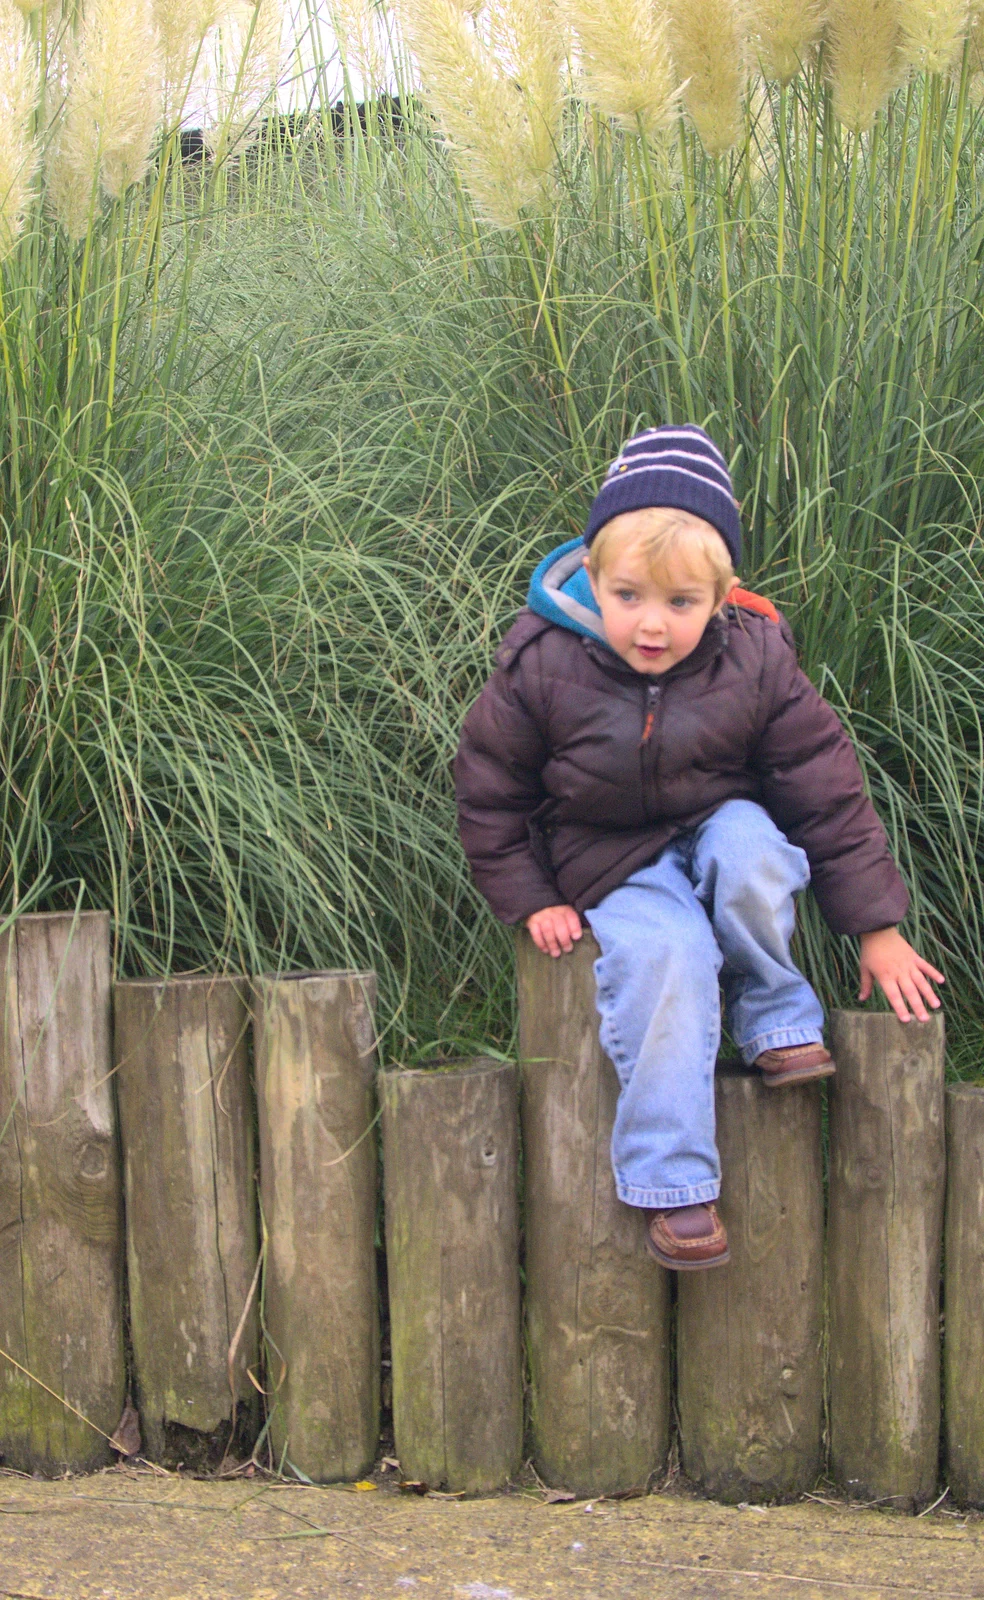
(718, 900)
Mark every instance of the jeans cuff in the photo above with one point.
(778, 1039)
(693, 1194)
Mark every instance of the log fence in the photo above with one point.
(750, 1374)
(597, 1309)
(128, 1165)
(450, 1163)
(186, 1128)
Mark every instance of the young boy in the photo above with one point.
(649, 756)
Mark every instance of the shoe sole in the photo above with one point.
(776, 1080)
(685, 1266)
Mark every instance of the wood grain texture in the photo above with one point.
(186, 1125)
(963, 1295)
(61, 1243)
(315, 1059)
(749, 1365)
(597, 1307)
(887, 1178)
(450, 1158)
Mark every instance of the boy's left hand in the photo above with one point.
(900, 972)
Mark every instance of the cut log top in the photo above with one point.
(439, 1078)
(973, 1092)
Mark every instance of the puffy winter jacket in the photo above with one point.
(574, 770)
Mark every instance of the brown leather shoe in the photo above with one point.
(795, 1063)
(687, 1238)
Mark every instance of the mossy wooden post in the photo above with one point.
(597, 1307)
(186, 1124)
(963, 1294)
(315, 1060)
(750, 1378)
(61, 1243)
(450, 1148)
(883, 1255)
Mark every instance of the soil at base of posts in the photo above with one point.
(141, 1530)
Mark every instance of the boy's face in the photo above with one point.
(654, 619)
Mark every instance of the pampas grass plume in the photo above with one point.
(528, 41)
(485, 112)
(784, 33)
(933, 32)
(354, 22)
(111, 110)
(865, 61)
(709, 41)
(240, 71)
(18, 97)
(625, 60)
(181, 29)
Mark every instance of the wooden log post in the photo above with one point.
(963, 1294)
(597, 1307)
(61, 1244)
(749, 1334)
(315, 1058)
(450, 1157)
(186, 1123)
(883, 1255)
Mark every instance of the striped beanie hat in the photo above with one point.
(670, 466)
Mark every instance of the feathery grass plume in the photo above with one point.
(865, 60)
(482, 111)
(242, 70)
(18, 97)
(111, 108)
(784, 33)
(625, 60)
(72, 154)
(354, 22)
(709, 44)
(181, 29)
(975, 51)
(933, 32)
(528, 41)
(27, 6)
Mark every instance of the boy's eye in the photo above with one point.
(681, 601)
(626, 594)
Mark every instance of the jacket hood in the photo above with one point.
(560, 592)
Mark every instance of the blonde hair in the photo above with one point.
(659, 532)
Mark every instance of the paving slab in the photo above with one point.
(126, 1533)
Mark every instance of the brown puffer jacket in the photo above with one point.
(574, 770)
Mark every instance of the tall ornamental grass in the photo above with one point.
(285, 434)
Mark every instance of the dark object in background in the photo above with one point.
(192, 146)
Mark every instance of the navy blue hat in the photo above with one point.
(670, 466)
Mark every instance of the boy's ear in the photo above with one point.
(586, 564)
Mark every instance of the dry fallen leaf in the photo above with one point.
(363, 1484)
(126, 1440)
(554, 1497)
(413, 1486)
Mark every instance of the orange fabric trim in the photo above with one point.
(753, 602)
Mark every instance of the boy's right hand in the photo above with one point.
(554, 929)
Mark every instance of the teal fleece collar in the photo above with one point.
(561, 593)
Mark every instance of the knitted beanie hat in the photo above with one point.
(670, 466)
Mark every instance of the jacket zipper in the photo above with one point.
(652, 701)
(649, 746)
